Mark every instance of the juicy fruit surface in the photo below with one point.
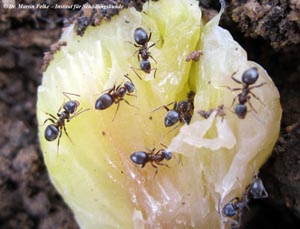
(94, 173)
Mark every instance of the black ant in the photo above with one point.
(249, 77)
(182, 111)
(54, 130)
(234, 209)
(115, 95)
(219, 110)
(155, 158)
(141, 38)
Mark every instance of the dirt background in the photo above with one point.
(268, 30)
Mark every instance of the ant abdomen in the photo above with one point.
(250, 76)
(140, 36)
(51, 132)
(103, 102)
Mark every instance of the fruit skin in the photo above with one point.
(94, 173)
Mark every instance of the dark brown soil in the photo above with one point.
(28, 199)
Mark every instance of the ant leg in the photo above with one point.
(151, 45)
(150, 34)
(162, 164)
(108, 91)
(49, 119)
(233, 89)
(256, 97)
(68, 93)
(135, 45)
(154, 69)
(179, 161)
(132, 68)
(156, 169)
(172, 130)
(163, 106)
(236, 80)
(127, 76)
(235, 199)
(129, 103)
(152, 58)
(252, 106)
(65, 130)
(77, 113)
(259, 85)
(158, 151)
(51, 115)
(116, 111)
(58, 141)
(59, 109)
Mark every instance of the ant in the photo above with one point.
(54, 130)
(141, 38)
(249, 77)
(219, 110)
(194, 56)
(182, 111)
(115, 95)
(234, 208)
(155, 158)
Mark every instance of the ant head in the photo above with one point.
(240, 110)
(129, 86)
(71, 106)
(51, 132)
(145, 65)
(167, 155)
(229, 210)
(171, 118)
(250, 76)
(140, 36)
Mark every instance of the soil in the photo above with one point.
(271, 37)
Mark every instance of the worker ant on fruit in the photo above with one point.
(154, 157)
(182, 111)
(219, 110)
(249, 77)
(234, 208)
(54, 130)
(115, 95)
(141, 38)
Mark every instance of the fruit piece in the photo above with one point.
(94, 173)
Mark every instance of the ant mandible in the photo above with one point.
(115, 95)
(182, 111)
(155, 158)
(54, 130)
(141, 38)
(249, 77)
